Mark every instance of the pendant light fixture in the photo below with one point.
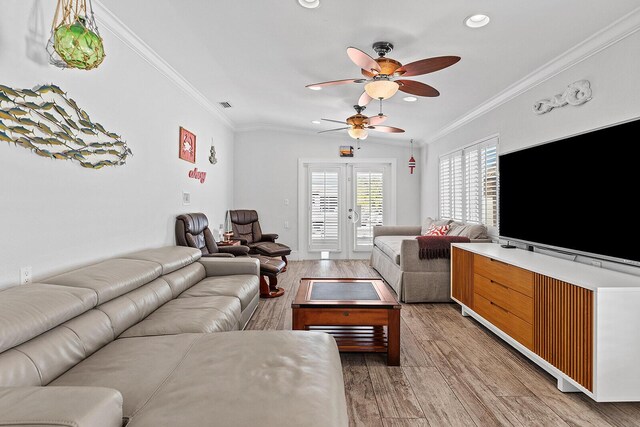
(75, 41)
(412, 160)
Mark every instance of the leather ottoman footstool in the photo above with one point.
(272, 249)
(270, 268)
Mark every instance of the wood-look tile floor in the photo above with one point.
(453, 371)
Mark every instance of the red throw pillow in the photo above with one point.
(437, 230)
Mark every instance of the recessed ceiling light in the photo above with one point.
(410, 99)
(316, 122)
(315, 87)
(477, 21)
(309, 4)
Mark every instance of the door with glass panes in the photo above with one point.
(344, 203)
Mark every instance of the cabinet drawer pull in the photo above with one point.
(498, 262)
(496, 305)
(499, 284)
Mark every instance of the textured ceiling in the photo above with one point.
(259, 54)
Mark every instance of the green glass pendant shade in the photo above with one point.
(78, 46)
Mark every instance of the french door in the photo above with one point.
(341, 204)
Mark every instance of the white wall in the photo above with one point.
(55, 214)
(266, 171)
(613, 73)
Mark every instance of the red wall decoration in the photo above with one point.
(187, 146)
(196, 174)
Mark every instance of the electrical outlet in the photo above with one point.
(286, 224)
(596, 263)
(186, 198)
(25, 275)
(286, 202)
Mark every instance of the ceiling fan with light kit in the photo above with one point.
(386, 76)
(358, 125)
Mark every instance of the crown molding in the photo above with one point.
(372, 139)
(608, 36)
(114, 25)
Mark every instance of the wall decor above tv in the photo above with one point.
(575, 194)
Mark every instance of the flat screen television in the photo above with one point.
(575, 194)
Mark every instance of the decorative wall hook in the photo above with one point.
(577, 93)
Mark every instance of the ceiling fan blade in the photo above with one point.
(426, 66)
(336, 82)
(333, 130)
(376, 120)
(335, 121)
(363, 60)
(417, 88)
(364, 99)
(387, 129)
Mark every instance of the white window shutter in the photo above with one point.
(324, 209)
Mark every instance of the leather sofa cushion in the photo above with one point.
(170, 258)
(111, 278)
(186, 277)
(132, 307)
(28, 311)
(391, 245)
(249, 378)
(244, 287)
(60, 406)
(190, 315)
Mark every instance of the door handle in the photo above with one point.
(355, 217)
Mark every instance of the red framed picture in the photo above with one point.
(187, 146)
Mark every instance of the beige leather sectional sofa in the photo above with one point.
(154, 339)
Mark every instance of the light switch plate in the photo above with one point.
(186, 198)
(286, 202)
(286, 224)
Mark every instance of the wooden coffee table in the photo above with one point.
(363, 315)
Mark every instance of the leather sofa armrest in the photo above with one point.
(218, 255)
(269, 237)
(60, 406)
(234, 250)
(397, 230)
(230, 266)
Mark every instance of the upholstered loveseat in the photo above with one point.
(395, 256)
(153, 339)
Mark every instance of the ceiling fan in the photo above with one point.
(381, 73)
(359, 124)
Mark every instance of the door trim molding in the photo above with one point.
(302, 183)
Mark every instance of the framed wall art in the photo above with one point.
(187, 146)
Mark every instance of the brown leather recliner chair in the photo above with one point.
(246, 228)
(193, 230)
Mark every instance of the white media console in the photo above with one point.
(578, 322)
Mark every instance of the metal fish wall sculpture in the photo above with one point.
(49, 123)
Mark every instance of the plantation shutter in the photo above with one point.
(451, 186)
(370, 204)
(324, 209)
(469, 184)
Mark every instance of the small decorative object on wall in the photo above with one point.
(75, 41)
(577, 93)
(412, 160)
(49, 123)
(187, 146)
(346, 151)
(212, 154)
(196, 174)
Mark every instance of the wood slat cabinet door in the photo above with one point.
(563, 327)
(462, 276)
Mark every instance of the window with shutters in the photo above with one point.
(469, 184)
(369, 205)
(324, 209)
